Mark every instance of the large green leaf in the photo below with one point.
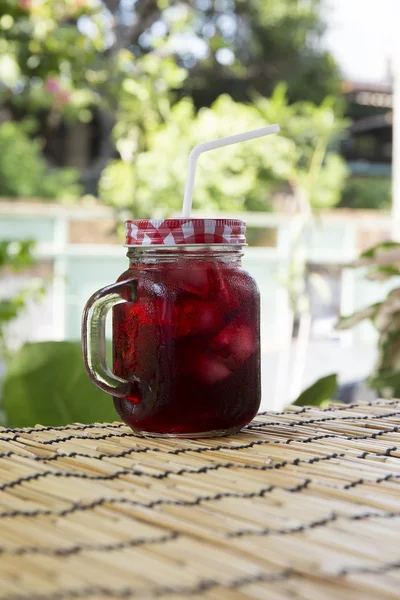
(47, 383)
(320, 391)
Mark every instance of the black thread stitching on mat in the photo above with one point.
(110, 547)
(378, 570)
(19, 438)
(198, 450)
(387, 452)
(77, 507)
(164, 474)
(337, 408)
(368, 436)
(197, 501)
(312, 525)
(323, 420)
(128, 452)
(102, 456)
(362, 481)
(78, 548)
(40, 428)
(204, 585)
(183, 471)
(125, 453)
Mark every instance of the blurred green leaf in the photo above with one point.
(322, 390)
(380, 248)
(387, 381)
(383, 273)
(38, 181)
(383, 261)
(8, 310)
(350, 321)
(367, 193)
(16, 255)
(46, 383)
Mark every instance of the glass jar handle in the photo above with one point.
(94, 336)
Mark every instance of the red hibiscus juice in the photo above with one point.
(186, 346)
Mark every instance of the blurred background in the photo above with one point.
(100, 104)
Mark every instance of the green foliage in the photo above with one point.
(45, 56)
(149, 178)
(60, 59)
(321, 391)
(14, 257)
(251, 45)
(316, 176)
(46, 383)
(316, 173)
(234, 47)
(18, 150)
(63, 57)
(325, 190)
(383, 262)
(226, 180)
(379, 252)
(141, 89)
(367, 193)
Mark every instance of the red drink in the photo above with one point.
(191, 337)
(186, 323)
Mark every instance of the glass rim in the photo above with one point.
(161, 247)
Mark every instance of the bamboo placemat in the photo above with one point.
(304, 504)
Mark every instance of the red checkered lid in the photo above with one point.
(174, 232)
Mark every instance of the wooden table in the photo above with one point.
(304, 504)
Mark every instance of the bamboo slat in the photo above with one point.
(304, 504)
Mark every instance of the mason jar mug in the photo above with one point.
(186, 330)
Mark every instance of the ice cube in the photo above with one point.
(211, 369)
(237, 341)
(195, 280)
(155, 304)
(194, 316)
